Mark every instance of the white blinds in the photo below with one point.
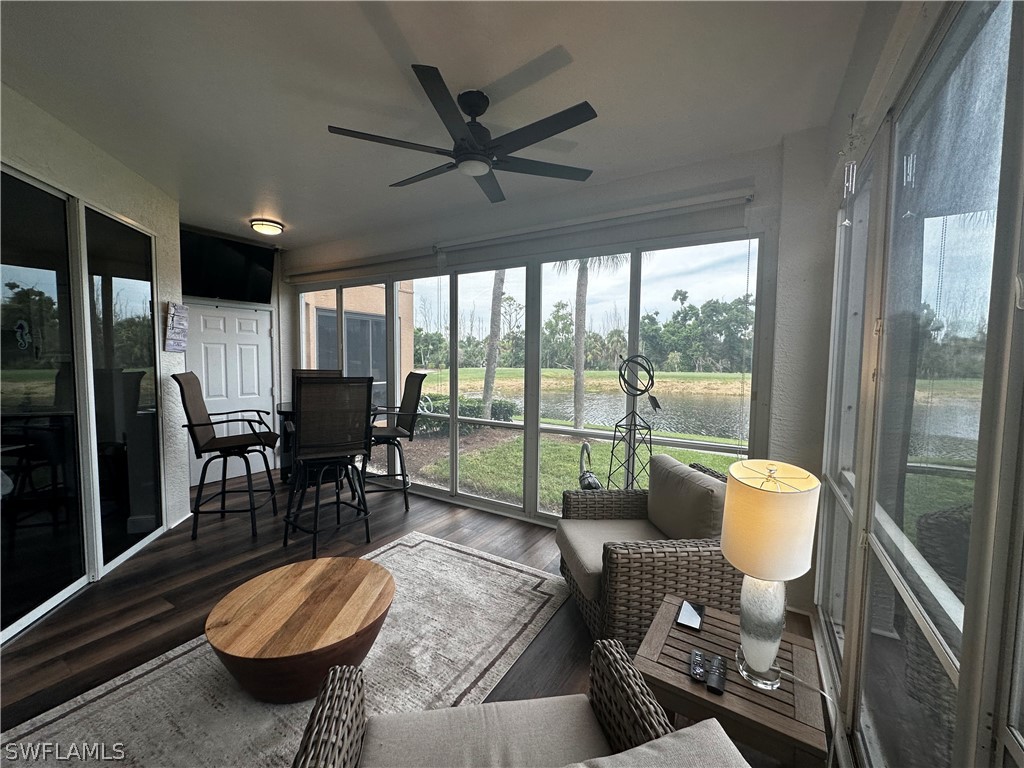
(725, 212)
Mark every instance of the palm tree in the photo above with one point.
(583, 267)
(491, 361)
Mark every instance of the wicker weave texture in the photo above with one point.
(637, 575)
(623, 703)
(591, 609)
(604, 505)
(334, 732)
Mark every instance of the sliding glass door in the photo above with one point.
(79, 364)
(43, 544)
(120, 266)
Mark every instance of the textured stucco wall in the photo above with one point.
(44, 148)
(803, 313)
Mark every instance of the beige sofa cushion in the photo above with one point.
(701, 745)
(531, 734)
(683, 502)
(581, 543)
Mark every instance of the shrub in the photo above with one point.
(501, 410)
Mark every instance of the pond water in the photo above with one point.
(946, 430)
(727, 417)
(942, 429)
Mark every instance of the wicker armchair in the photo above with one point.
(620, 717)
(636, 575)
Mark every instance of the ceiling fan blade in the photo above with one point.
(490, 186)
(543, 129)
(389, 142)
(536, 168)
(445, 106)
(425, 175)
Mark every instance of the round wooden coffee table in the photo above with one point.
(280, 632)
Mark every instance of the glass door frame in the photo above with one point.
(88, 455)
(79, 315)
(80, 278)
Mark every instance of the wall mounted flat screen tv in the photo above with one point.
(217, 268)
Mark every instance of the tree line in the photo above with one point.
(715, 336)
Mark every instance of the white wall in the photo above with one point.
(39, 145)
(803, 313)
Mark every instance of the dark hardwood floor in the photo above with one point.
(160, 598)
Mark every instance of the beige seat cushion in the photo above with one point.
(701, 745)
(683, 502)
(531, 734)
(581, 543)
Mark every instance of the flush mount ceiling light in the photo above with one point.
(267, 226)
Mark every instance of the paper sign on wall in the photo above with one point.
(176, 333)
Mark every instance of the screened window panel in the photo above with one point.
(697, 308)
(937, 286)
(908, 703)
(584, 329)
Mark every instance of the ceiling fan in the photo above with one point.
(474, 152)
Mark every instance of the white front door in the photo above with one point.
(229, 349)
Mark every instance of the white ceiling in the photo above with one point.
(225, 105)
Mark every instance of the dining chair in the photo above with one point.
(255, 438)
(401, 425)
(332, 433)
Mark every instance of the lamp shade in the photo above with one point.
(768, 522)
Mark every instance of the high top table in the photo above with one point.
(280, 632)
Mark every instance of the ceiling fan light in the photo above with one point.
(474, 166)
(267, 226)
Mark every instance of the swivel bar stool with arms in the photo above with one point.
(401, 425)
(254, 439)
(332, 432)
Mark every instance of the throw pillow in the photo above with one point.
(683, 502)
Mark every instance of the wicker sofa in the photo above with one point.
(623, 551)
(620, 725)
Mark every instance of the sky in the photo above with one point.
(131, 297)
(956, 271)
(714, 271)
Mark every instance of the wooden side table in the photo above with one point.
(787, 723)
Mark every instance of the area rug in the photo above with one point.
(460, 618)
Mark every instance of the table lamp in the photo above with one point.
(768, 534)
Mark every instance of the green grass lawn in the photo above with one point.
(510, 381)
(35, 387)
(495, 470)
(930, 493)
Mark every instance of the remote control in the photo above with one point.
(697, 671)
(716, 675)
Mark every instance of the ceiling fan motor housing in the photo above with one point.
(481, 135)
(473, 103)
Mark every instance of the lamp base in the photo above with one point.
(762, 620)
(767, 681)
